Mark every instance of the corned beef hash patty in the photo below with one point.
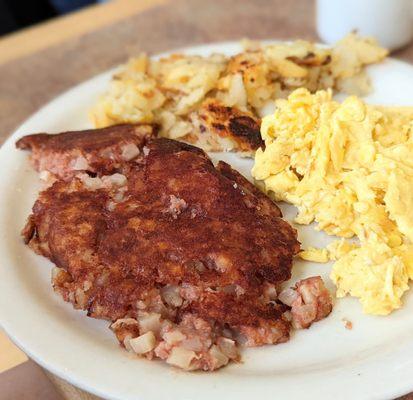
(185, 259)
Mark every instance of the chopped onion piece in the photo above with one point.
(143, 343)
(173, 337)
(129, 151)
(149, 322)
(288, 316)
(80, 164)
(45, 175)
(126, 343)
(170, 294)
(218, 357)
(288, 296)
(228, 347)
(114, 180)
(194, 344)
(271, 292)
(306, 293)
(91, 183)
(123, 321)
(181, 357)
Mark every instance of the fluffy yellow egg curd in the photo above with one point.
(348, 167)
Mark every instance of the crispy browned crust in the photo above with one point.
(247, 63)
(230, 122)
(88, 140)
(310, 60)
(233, 311)
(265, 204)
(100, 148)
(181, 222)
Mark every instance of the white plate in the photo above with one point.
(372, 361)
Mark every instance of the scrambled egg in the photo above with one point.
(349, 168)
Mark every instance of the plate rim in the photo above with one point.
(7, 326)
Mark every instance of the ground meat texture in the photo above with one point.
(310, 301)
(98, 151)
(185, 250)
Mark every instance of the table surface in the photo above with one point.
(38, 63)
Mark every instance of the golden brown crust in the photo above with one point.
(246, 63)
(241, 127)
(263, 201)
(180, 221)
(235, 312)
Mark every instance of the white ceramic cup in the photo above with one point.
(389, 21)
